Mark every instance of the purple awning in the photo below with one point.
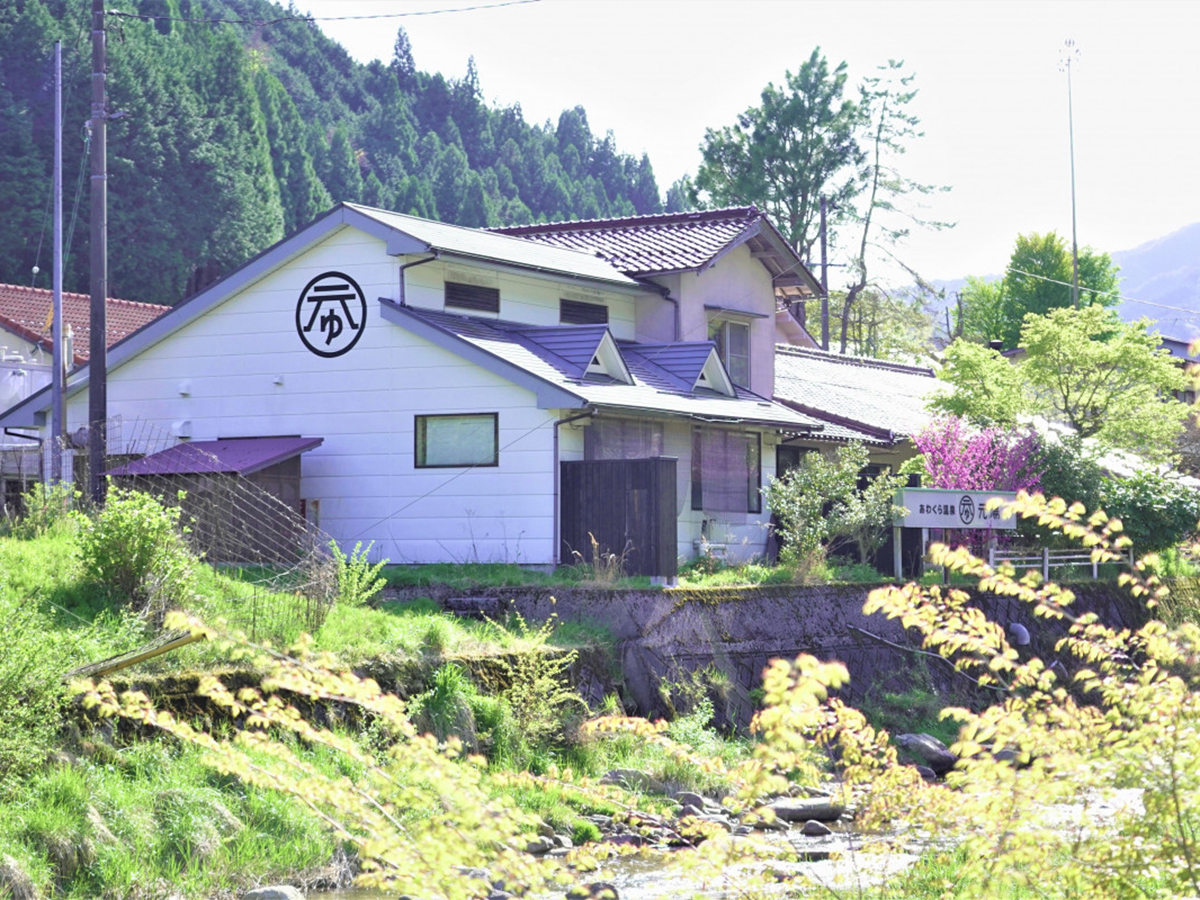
(242, 456)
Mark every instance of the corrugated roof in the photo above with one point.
(574, 345)
(479, 243)
(24, 310)
(854, 391)
(242, 456)
(682, 362)
(651, 392)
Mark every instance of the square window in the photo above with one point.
(469, 440)
(726, 471)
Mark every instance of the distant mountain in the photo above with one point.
(1164, 273)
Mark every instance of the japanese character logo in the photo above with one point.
(966, 510)
(331, 314)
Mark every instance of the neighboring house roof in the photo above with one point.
(241, 456)
(643, 246)
(884, 401)
(504, 347)
(25, 311)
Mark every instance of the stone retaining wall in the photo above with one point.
(663, 635)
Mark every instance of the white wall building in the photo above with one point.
(450, 371)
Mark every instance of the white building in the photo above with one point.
(450, 371)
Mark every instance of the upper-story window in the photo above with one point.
(733, 346)
(577, 312)
(472, 297)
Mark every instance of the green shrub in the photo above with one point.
(32, 662)
(47, 506)
(135, 549)
(444, 709)
(357, 580)
(1156, 512)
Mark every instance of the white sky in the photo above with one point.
(993, 101)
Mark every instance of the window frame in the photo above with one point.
(754, 499)
(421, 441)
(719, 334)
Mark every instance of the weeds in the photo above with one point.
(358, 581)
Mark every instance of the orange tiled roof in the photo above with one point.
(25, 310)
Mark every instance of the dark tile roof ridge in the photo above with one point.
(677, 218)
(865, 362)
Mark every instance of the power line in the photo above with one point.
(116, 13)
(1116, 294)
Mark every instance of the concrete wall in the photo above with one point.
(663, 635)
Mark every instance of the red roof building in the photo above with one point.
(25, 311)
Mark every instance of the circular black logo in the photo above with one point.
(966, 510)
(331, 314)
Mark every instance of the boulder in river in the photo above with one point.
(927, 750)
(274, 892)
(802, 809)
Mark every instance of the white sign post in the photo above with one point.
(927, 508)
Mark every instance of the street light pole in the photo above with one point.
(1070, 54)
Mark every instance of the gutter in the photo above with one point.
(557, 525)
(406, 266)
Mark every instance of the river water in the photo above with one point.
(654, 876)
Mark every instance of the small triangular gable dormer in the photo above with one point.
(684, 365)
(578, 350)
(713, 376)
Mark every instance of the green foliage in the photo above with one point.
(47, 506)
(988, 390)
(821, 499)
(134, 549)
(238, 134)
(1038, 279)
(539, 692)
(1084, 368)
(445, 709)
(33, 660)
(1157, 512)
(800, 143)
(1106, 379)
(358, 581)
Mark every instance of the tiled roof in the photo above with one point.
(682, 362)
(651, 391)
(575, 345)
(24, 311)
(872, 395)
(644, 245)
(479, 243)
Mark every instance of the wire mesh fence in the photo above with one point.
(242, 514)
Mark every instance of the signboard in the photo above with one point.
(331, 314)
(936, 508)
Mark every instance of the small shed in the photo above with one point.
(240, 496)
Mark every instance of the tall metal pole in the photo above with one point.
(98, 351)
(56, 415)
(1070, 54)
(824, 280)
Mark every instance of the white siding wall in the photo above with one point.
(522, 298)
(363, 404)
(738, 281)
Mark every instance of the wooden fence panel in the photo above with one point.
(628, 505)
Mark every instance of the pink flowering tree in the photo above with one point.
(958, 457)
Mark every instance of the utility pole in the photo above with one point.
(98, 351)
(824, 280)
(1070, 54)
(56, 414)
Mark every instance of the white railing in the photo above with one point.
(1047, 559)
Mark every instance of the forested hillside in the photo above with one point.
(232, 135)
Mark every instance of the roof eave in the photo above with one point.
(549, 395)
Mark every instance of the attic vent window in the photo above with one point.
(472, 297)
(576, 312)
